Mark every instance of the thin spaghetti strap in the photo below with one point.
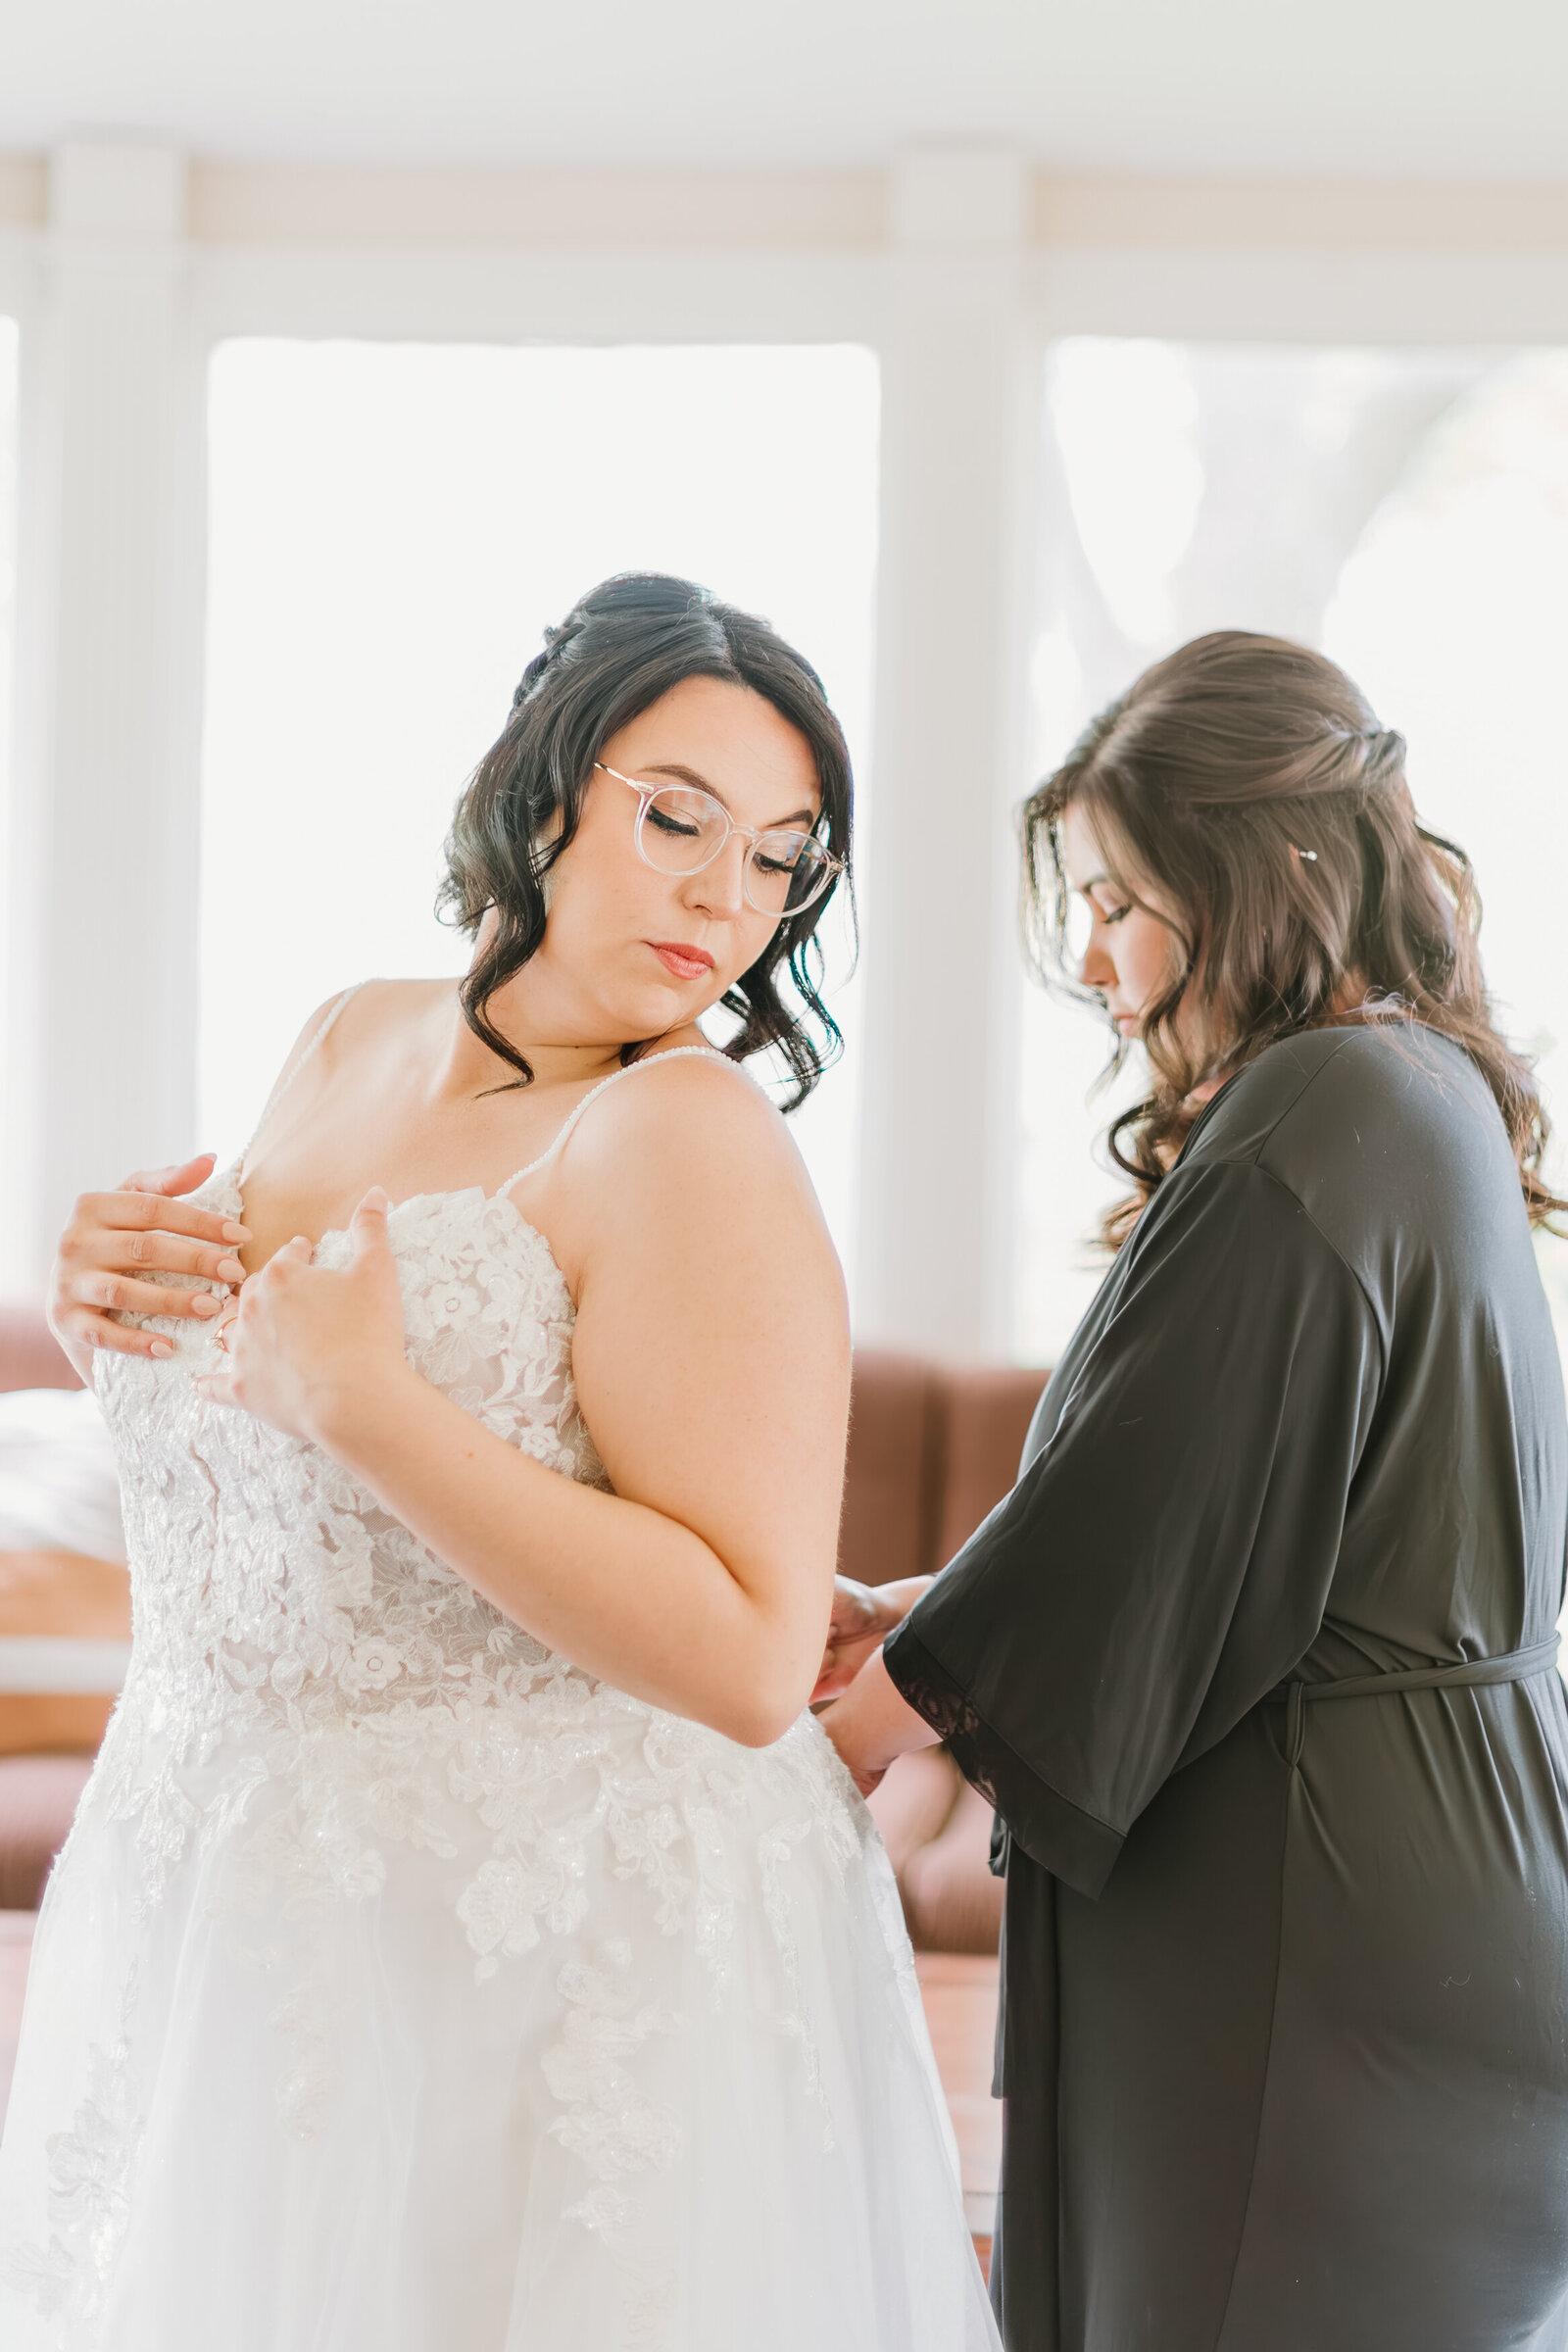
(296, 1065)
(675, 1054)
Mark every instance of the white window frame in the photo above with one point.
(954, 267)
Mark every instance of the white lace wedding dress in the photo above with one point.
(402, 1988)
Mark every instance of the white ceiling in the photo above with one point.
(1359, 88)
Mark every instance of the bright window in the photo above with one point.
(8, 633)
(391, 530)
(1406, 511)
(8, 531)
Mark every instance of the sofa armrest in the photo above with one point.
(31, 1356)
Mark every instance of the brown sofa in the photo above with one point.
(39, 1792)
(30, 1354)
(932, 1447)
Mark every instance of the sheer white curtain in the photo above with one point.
(9, 346)
(391, 528)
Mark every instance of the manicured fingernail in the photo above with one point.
(161, 1347)
(204, 1304)
(230, 1269)
(236, 1233)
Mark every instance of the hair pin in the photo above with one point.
(1307, 857)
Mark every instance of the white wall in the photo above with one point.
(124, 266)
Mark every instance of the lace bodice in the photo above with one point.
(274, 1601)
(285, 1622)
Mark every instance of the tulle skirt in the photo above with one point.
(679, 2100)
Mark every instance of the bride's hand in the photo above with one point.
(115, 1240)
(863, 1616)
(309, 1343)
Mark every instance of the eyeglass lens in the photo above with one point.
(683, 830)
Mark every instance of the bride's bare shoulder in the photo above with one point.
(370, 1009)
(692, 1129)
(681, 1195)
(692, 1099)
(346, 1024)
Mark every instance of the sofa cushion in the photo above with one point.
(938, 1836)
(59, 1596)
(914, 1801)
(987, 1410)
(893, 1483)
(951, 1903)
(31, 1356)
(38, 1797)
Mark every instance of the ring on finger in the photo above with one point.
(221, 1334)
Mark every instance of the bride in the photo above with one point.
(467, 1942)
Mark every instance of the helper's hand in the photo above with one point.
(872, 1725)
(863, 1616)
(311, 1346)
(112, 1242)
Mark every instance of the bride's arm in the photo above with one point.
(712, 1361)
(115, 1240)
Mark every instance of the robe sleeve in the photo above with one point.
(1165, 1558)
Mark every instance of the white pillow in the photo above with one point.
(59, 1480)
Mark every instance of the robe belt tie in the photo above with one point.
(1515, 1666)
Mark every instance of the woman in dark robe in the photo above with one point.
(1257, 1661)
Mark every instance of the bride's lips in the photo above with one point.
(687, 964)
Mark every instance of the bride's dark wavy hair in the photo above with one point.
(621, 647)
(1247, 783)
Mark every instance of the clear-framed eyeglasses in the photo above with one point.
(680, 828)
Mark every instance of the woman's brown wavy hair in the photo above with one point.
(1248, 785)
